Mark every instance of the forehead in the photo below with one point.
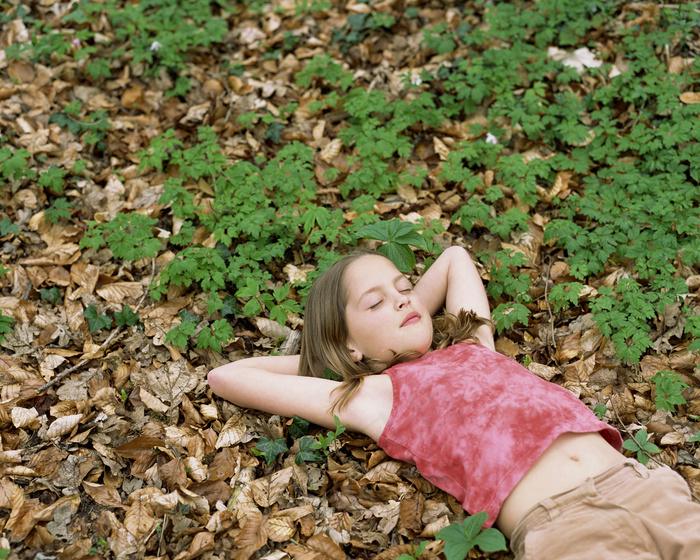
(367, 272)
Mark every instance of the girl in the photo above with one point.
(475, 423)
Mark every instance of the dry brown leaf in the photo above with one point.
(267, 490)
(441, 148)
(151, 402)
(201, 543)
(104, 495)
(62, 426)
(119, 292)
(139, 518)
(251, 537)
(331, 150)
(24, 417)
(272, 329)
(232, 432)
(281, 529)
(690, 97)
(543, 371)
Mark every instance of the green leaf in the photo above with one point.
(126, 317)
(96, 321)
(490, 540)
(299, 427)
(6, 226)
(50, 294)
(270, 449)
(401, 255)
(307, 451)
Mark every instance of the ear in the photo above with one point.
(355, 354)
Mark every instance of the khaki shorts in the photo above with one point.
(627, 513)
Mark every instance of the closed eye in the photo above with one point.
(376, 304)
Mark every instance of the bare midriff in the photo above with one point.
(566, 464)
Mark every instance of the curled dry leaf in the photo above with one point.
(209, 412)
(118, 292)
(331, 150)
(151, 402)
(24, 417)
(232, 432)
(272, 329)
(197, 471)
(267, 490)
(543, 371)
(62, 426)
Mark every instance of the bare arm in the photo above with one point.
(272, 384)
(454, 282)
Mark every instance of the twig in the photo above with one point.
(549, 309)
(65, 373)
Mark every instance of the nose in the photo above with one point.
(401, 301)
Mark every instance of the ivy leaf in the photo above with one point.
(126, 317)
(299, 427)
(270, 449)
(308, 451)
(95, 320)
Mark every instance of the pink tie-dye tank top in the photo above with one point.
(474, 421)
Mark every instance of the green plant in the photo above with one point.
(398, 237)
(126, 317)
(270, 449)
(5, 323)
(668, 387)
(180, 334)
(128, 236)
(50, 294)
(324, 442)
(60, 210)
(600, 410)
(695, 438)
(96, 321)
(53, 178)
(4, 553)
(7, 227)
(13, 164)
(642, 446)
(460, 539)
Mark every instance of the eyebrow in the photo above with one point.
(397, 279)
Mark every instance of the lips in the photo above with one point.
(410, 319)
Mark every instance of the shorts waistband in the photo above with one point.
(551, 508)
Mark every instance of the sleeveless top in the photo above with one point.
(474, 421)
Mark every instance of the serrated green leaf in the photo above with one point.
(401, 255)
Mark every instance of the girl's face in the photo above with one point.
(384, 315)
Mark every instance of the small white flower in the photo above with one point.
(416, 81)
(491, 139)
(155, 45)
(76, 43)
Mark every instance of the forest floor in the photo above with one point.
(172, 174)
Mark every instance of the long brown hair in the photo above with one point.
(325, 334)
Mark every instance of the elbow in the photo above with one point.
(215, 379)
